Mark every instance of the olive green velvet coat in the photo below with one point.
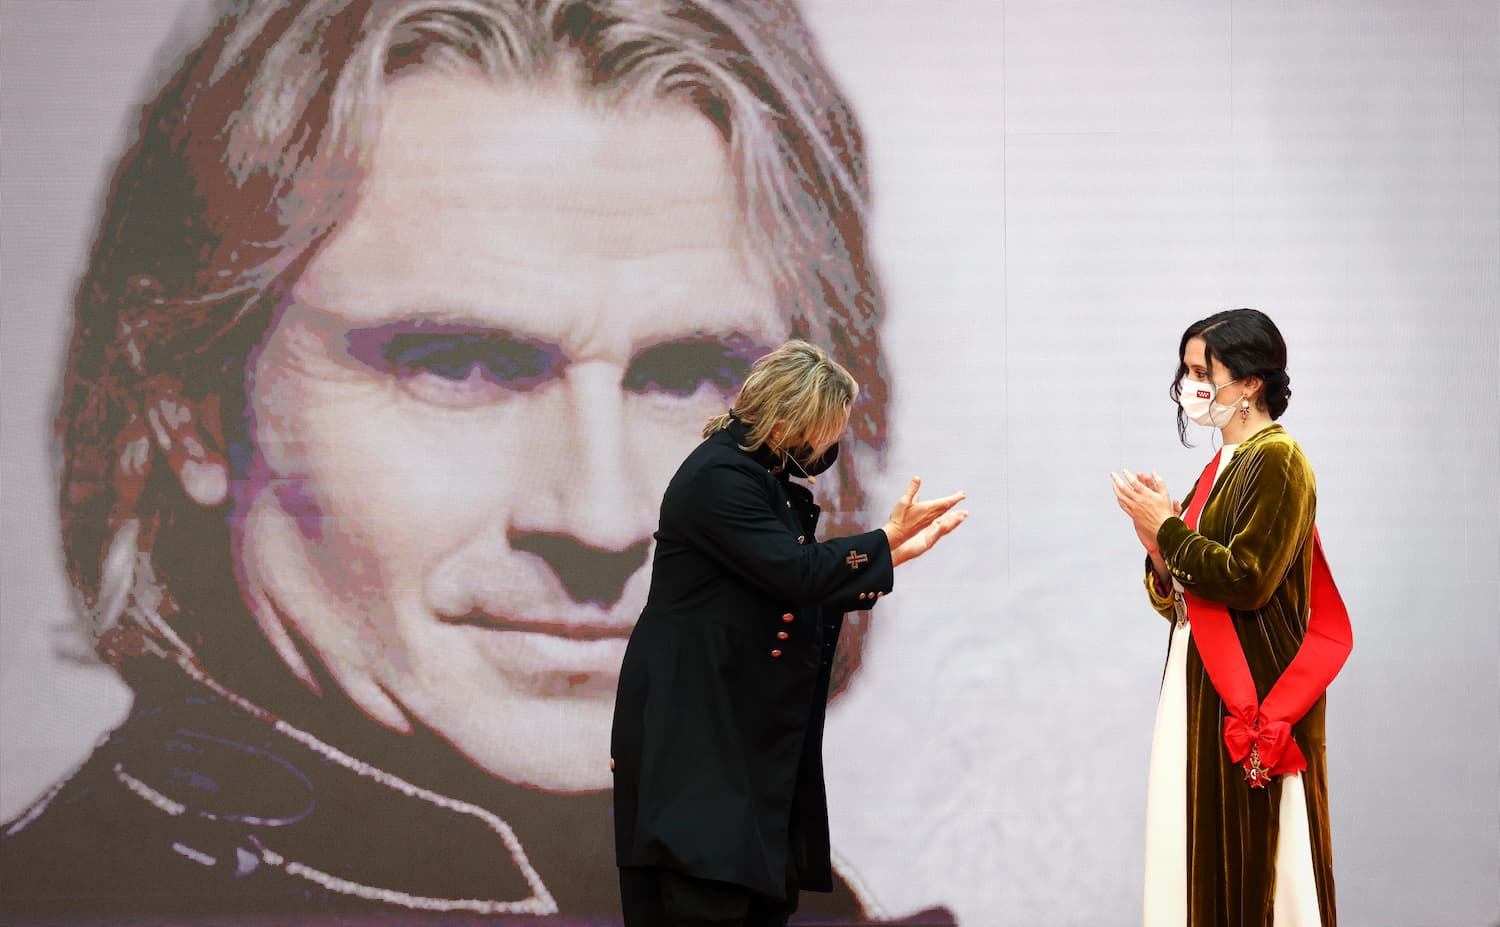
(1253, 552)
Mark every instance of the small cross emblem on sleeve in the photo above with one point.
(855, 559)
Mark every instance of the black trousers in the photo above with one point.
(655, 897)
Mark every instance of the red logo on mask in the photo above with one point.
(1204, 394)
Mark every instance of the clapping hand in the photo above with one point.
(1145, 499)
(915, 526)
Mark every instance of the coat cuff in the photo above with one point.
(1161, 595)
(1171, 537)
(877, 576)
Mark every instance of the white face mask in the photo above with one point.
(1197, 401)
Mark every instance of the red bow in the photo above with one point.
(1265, 749)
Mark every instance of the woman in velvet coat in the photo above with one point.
(1221, 853)
(720, 809)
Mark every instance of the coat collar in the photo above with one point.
(1264, 434)
(762, 455)
(239, 789)
(1267, 433)
(773, 460)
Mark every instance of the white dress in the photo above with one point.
(1296, 899)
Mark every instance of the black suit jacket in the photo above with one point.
(718, 729)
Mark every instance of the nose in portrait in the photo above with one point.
(592, 528)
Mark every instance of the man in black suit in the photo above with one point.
(720, 811)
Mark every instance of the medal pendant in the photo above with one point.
(1256, 774)
(1179, 608)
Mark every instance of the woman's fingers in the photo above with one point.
(1127, 481)
(1137, 485)
(1160, 485)
(1126, 488)
(1134, 493)
(1139, 482)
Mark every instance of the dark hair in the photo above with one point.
(1248, 344)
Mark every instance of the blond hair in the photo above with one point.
(796, 390)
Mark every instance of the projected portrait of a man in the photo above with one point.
(398, 318)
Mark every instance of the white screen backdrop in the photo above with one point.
(1060, 189)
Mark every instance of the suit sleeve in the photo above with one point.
(727, 513)
(1271, 524)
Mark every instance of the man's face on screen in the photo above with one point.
(466, 415)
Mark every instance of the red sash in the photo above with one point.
(1259, 736)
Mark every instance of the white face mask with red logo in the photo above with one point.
(1197, 401)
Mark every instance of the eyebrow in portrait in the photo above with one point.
(483, 355)
(458, 352)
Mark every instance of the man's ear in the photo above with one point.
(191, 437)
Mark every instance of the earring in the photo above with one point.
(1245, 409)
